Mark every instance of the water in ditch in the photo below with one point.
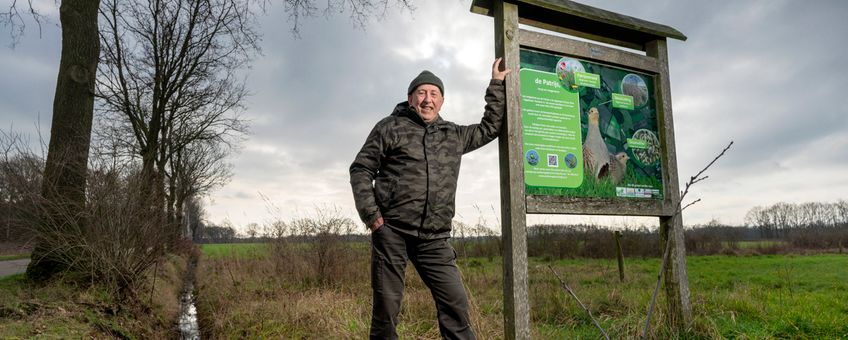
(189, 329)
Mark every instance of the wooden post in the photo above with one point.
(671, 227)
(619, 255)
(513, 213)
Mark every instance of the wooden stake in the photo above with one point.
(619, 255)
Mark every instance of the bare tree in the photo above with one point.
(194, 216)
(16, 19)
(841, 211)
(20, 181)
(168, 79)
(194, 171)
(252, 230)
(758, 217)
(65, 172)
(325, 232)
(360, 11)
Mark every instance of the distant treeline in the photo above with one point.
(776, 220)
(780, 228)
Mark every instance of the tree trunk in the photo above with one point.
(171, 199)
(70, 134)
(179, 218)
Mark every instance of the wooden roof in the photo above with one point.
(582, 20)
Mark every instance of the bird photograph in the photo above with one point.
(617, 167)
(595, 154)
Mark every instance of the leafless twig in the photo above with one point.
(692, 180)
(15, 18)
(568, 289)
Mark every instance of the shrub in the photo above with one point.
(115, 240)
(315, 248)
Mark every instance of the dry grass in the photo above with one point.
(281, 296)
(64, 309)
(232, 291)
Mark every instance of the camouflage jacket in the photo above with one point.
(414, 167)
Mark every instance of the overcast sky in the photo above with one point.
(769, 75)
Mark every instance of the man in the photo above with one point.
(412, 158)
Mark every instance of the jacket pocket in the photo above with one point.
(384, 190)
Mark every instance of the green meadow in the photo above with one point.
(241, 250)
(737, 297)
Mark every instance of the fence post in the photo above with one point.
(619, 255)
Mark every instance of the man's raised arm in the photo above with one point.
(489, 128)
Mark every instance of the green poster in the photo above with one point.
(550, 117)
(590, 130)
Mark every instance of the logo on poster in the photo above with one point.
(532, 157)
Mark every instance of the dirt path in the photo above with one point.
(13, 267)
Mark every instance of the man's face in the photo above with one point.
(427, 101)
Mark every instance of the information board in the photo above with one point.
(589, 129)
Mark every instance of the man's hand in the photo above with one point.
(496, 72)
(378, 223)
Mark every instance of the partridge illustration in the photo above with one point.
(596, 158)
(617, 166)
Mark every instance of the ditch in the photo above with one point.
(189, 328)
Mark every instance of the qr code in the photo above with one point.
(553, 160)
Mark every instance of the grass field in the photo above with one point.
(760, 297)
(241, 250)
(759, 244)
(774, 296)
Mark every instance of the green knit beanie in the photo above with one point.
(426, 77)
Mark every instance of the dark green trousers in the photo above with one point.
(435, 261)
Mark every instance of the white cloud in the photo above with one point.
(766, 74)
